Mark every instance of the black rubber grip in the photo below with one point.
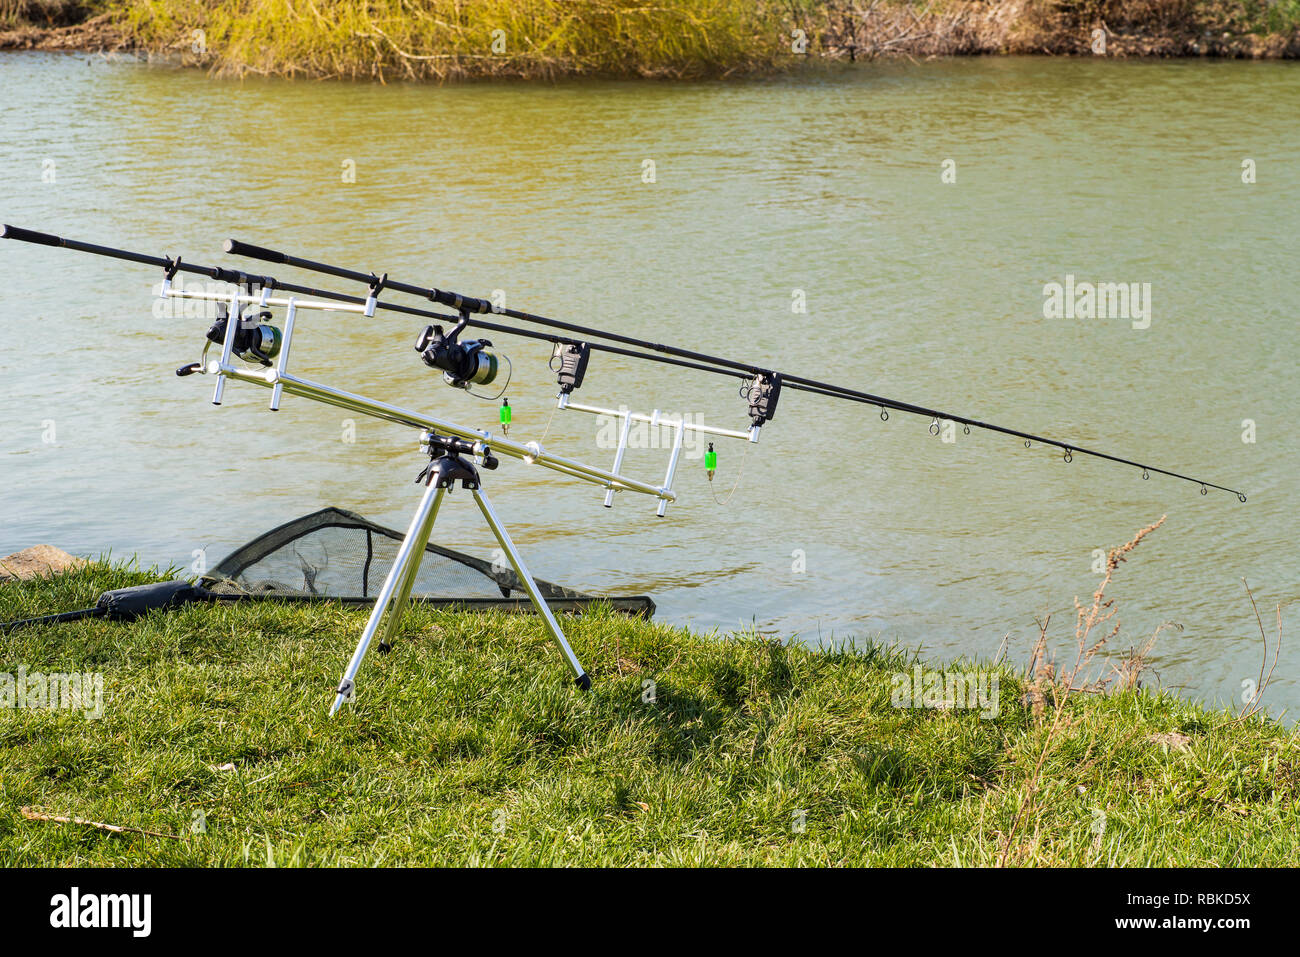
(237, 248)
(30, 236)
(239, 277)
(459, 302)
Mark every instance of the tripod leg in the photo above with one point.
(398, 610)
(530, 586)
(400, 575)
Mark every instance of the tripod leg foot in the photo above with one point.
(583, 681)
(530, 586)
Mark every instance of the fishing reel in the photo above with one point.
(463, 364)
(255, 340)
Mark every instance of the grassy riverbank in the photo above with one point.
(542, 39)
(469, 746)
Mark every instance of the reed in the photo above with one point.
(855, 30)
(1053, 689)
(442, 39)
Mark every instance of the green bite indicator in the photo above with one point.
(505, 416)
(711, 461)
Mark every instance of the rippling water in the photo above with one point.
(831, 184)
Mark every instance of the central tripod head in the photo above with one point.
(440, 445)
(446, 467)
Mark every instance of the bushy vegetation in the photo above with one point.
(46, 13)
(1166, 27)
(453, 38)
(544, 39)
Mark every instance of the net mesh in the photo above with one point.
(335, 553)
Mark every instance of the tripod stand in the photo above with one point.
(446, 467)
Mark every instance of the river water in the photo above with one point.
(824, 192)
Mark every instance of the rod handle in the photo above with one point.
(238, 248)
(30, 236)
(456, 301)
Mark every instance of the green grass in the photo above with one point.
(469, 745)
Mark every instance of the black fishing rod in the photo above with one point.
(472, 304)
(172, 266)
(240, 278)
(771, 380)
(763, 391)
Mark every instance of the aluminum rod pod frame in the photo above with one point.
(281, 382)
(391, 603)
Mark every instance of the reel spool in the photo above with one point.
(463, 364)
(256, 340)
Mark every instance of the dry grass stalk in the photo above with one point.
(1256, 701)
(32, 815)
(1046, 681)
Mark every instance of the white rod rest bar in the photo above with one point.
(618, 457)
(227, 345)
(530, 452)
(672, 467)
(658, 419)
(282, 365)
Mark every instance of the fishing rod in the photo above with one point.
(763, 391)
